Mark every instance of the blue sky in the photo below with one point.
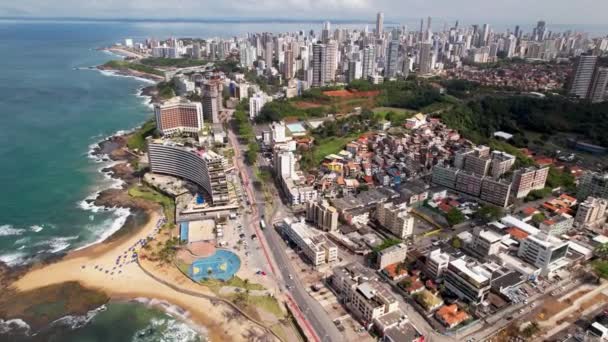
(492, 11)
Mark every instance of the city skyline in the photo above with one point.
(561, 12)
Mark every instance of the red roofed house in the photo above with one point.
(451, 315)
(395, 272)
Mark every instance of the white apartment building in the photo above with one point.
(485, 242)
(591, 212)
(436, 263)
(366, 299)
(317, 248)
(470, 281)
(396, 219)
(256, 103)
(543, 251)
(322, 215)
(391, 255)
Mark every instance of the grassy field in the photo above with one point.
(266, 303)
(215, 285)
(330, 145)
(150, 194)
(385, 110)
(138, 139)
(172, 62)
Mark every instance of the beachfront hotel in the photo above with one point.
(178, 115)
(202, 167)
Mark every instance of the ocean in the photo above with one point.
(51, 115)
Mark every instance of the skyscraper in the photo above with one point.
(583, 76)
(540, 30)
(196, 50)
(485, 35)
(379, 24)
(355, 70)
(212, 101)
(319, 52)
(288, 64)
(331, 61)
(392, 55)
(597, 92)
(369, 62)
(424, 59)
(268, 54)
(325, 32)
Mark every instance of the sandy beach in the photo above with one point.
(124, 52)
(130, 281)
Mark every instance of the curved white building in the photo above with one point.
(204, 168)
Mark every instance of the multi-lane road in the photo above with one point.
(311, 313)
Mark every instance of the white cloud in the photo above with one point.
(512, 11)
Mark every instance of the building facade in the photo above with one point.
(178, 116)
(204, 168)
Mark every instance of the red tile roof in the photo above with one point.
(451, 315)
(529, 211)
(517, 233)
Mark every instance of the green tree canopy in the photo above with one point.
(454, 217)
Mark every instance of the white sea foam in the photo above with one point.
(75, 322)
(146, 99)
(56, 244)
(15, 324)
(8, 230)
(168, 330)
(112, 73)
(109, 226)
(36, 228)
(22, 240)
(182, 329)
(14, 259)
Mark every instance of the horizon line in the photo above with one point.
(199, 20)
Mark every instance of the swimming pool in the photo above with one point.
(222, 265)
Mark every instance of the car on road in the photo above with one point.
(290, 277)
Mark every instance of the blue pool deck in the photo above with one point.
(222, 265)
(184, 230)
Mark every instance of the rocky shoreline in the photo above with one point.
(131, 73)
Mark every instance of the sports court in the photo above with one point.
(222, 265)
